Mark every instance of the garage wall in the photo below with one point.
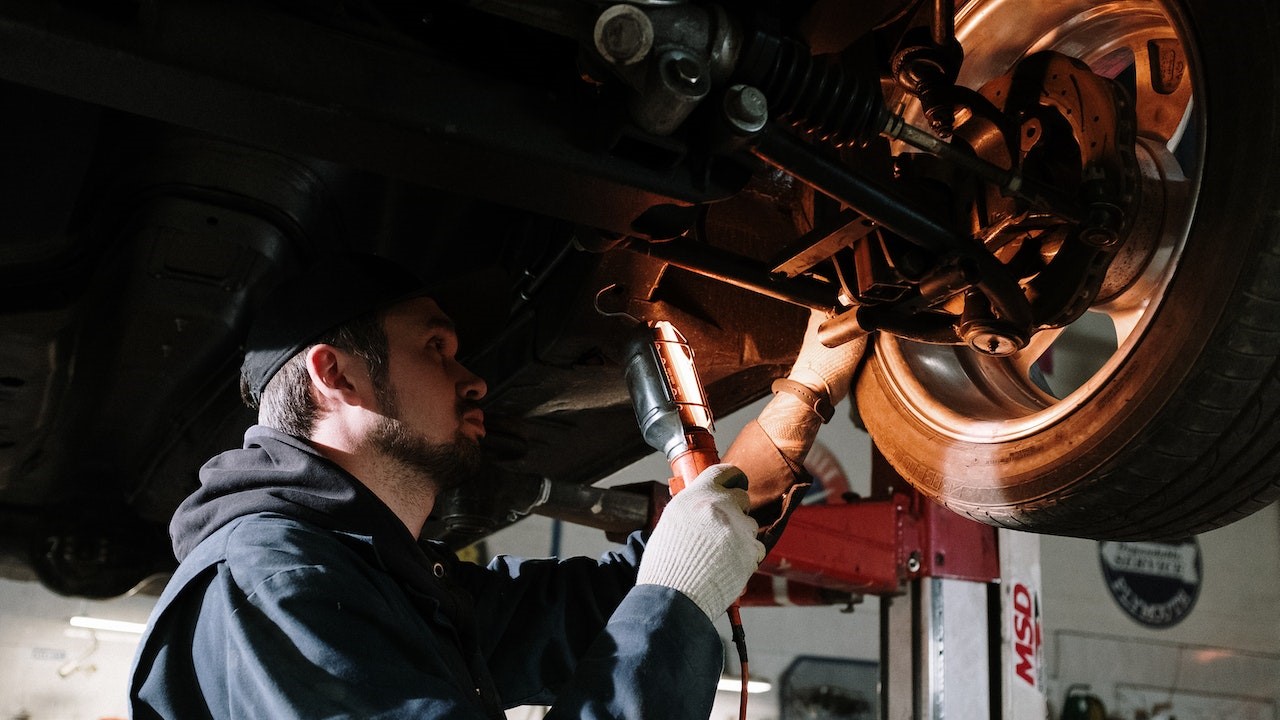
(1222, 661)
(52, 671)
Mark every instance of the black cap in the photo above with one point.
(304, 308)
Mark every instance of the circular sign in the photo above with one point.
(1156, 583)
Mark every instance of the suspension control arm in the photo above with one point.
(895, 213)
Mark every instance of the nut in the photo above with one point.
(623, 34)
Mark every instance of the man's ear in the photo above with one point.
(338, 377)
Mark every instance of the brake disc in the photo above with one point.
(1075, 131)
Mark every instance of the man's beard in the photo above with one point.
(448, 464)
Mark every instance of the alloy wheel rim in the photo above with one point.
(961, 394)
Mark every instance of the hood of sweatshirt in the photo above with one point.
(279, 473)
(276, 472)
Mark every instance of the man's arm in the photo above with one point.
(771, 449)
(658, 657)
(538, 617)
(544, 629)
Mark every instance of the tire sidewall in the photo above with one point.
(1232, 221)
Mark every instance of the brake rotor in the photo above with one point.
(1068, 128)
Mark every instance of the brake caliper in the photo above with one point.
(1075, 132)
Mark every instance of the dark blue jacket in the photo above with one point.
(300, 594)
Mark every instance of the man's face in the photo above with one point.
(433, 421)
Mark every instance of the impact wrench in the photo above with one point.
(674, 417)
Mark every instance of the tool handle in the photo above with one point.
(701, 455)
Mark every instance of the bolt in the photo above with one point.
(623, 34)
(913, 563)
(994, 344)
(991, 338)
(746, 108)
(1099, 237)
(1101, 228)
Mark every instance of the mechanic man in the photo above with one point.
(303, 590)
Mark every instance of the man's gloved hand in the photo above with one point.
(826, 369)
(705, 544)
(772, 449)
(791, 421)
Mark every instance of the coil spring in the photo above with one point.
(817, 96)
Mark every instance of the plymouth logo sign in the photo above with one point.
(1156, 583)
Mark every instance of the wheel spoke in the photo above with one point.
(1035, 349)
(1125, 320)
(1150, 255)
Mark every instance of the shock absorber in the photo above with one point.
(842, 106)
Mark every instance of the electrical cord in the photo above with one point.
(739, 636)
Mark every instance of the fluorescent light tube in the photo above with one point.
(92, 623)
(732, 684)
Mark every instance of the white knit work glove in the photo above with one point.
(792, 423)
(705, 544)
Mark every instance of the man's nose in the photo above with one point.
(471, 386)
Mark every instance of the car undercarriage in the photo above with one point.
(961, 184)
